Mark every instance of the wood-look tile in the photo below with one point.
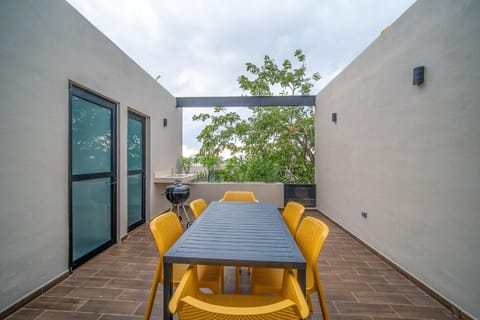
(363, 278)
(417, 312)
(422, 300)
(346, 285)
(381, 298)
(369, 309)
(378, 287)
(59, 291)
(68, 315)
(119, 317)
(340, 296)
(56, 303)
(95, 293)
(135, 295)
(129, 283)
(337, 316)
(26, 314)
(121, 274)
(93, 282)
(110, 306)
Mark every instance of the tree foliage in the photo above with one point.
(275, 144)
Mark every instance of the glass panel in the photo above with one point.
(91, 137)
(134, 147)
(91, 215)
(134, 199)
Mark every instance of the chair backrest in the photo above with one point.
(291, 215)
(191, 304)
(310, 236)
(166, 229)
(198, 206)
(239, 196)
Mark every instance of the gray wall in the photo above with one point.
(44, 45)
(408, 155)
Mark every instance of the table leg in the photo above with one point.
(167, 290)
(302, 280)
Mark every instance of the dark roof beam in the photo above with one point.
(245, 101)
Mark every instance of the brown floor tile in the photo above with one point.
(422, 300)
(25, 314)
(129, 283)
(363, 278)
(134, 295)
(381, 298)
(95, 293)
(66, 315)
(369, 309)
(378, 287)
(56, 303)
(438, 313)
(110, 306)
(59, 291)
(119, 317)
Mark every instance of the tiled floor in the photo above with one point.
(115, 285)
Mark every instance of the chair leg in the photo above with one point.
(321, 298)
(309, 302)
(238, 270)
(222, 280)
(153, 292)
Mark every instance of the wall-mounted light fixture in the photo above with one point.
(418, 75)
(334, 117)
(165, 122)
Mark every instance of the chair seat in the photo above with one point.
(235, 300)
(192, 304)
(269, 280)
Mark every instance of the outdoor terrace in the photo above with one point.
(115, 285)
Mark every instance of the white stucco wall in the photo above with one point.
(265, 192)
(43, 46)
(408, 155)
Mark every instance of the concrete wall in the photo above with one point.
(265, 192)
(410, 156)
(43, 46)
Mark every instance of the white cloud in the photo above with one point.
(200, 47)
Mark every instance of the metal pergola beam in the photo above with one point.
(245, 101)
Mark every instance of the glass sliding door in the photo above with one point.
(92, 175)
(136, 170)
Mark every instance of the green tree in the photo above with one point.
(275, 144)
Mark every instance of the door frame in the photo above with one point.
(143, 120)
(91, 96)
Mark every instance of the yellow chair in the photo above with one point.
(291, 215)
(310, 236)
(239, 196)
(191, 304)
(198, 206)
(166, 229)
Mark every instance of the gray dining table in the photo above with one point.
(250, 234)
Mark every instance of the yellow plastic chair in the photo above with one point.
(310, 236)
(166, 229)
(239, 196)
(291, 215)
(198, 206)
(191, 304)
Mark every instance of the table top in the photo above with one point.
(238, 233)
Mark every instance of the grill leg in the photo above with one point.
(185, 212)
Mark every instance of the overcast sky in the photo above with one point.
(199, 48)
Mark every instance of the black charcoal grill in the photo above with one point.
(177, 194)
